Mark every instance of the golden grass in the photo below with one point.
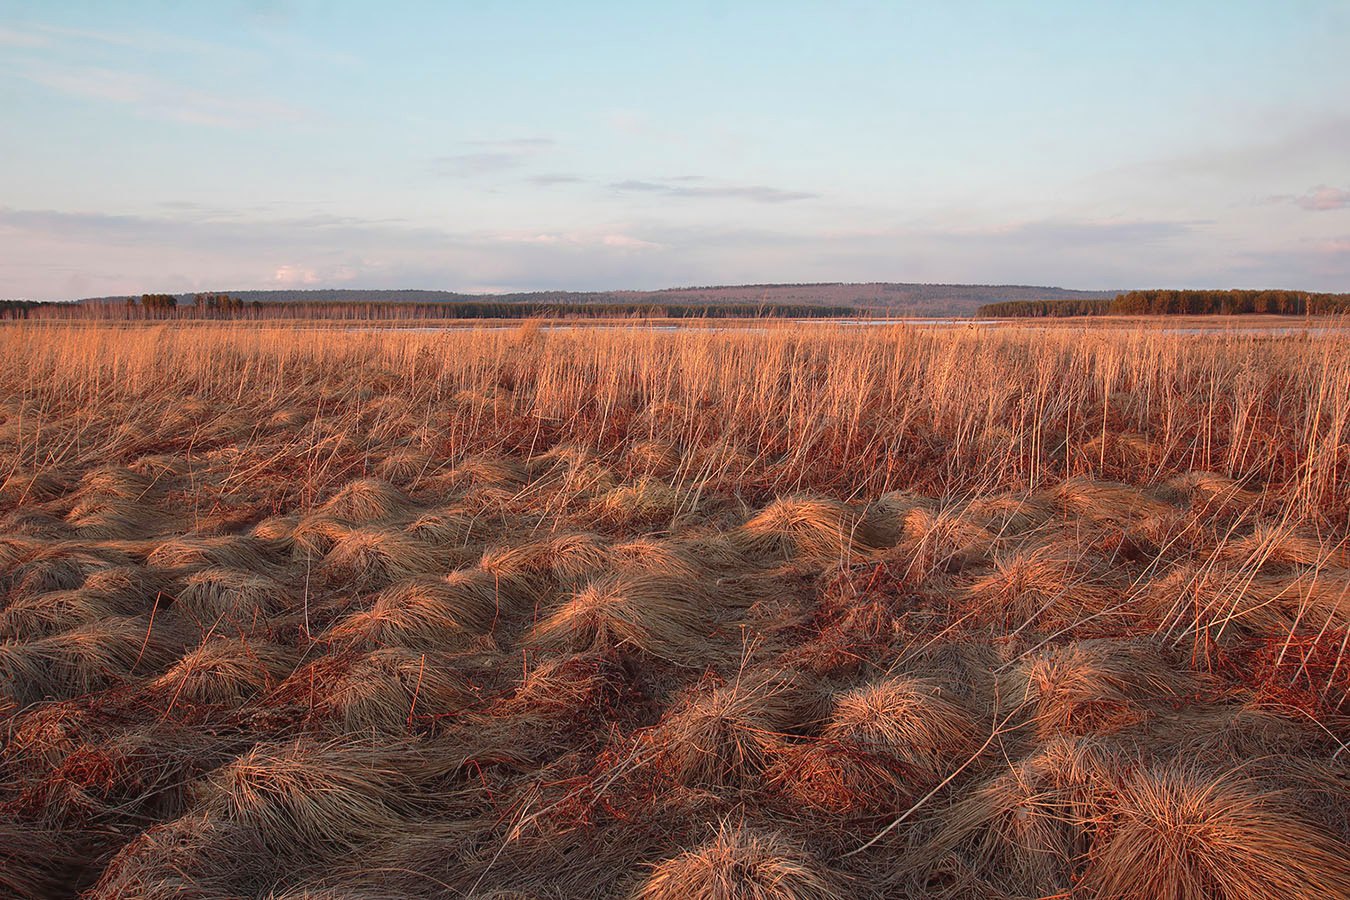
(224, 670)
(669, 618)
(217, 595)
(819, 529)
(948, 612)
(740, 863)
(373, 556)
(1026, 828)
(365, 501)
(1046, 584)
(719, 736)
(1094, 686)
(428, 612)
(910, 719)
(384, 691)
(1184, 834)
(313, 792)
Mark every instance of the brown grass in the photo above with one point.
(912, 720)
(741, 864)
(371, 557)
(950, 612)
(366, 501)
(315, 793)
(1094, 686)
(721, 736)
(1183, 834)
(818, 529)
(428, 612)
(235, 598)
(223, 670)
(668, 618)
(85, 658)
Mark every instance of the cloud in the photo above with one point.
(293, 274)
(694, 187)
(10, 37)
(55, 254)
(148, 41)
(1312, 142)
(491, 157)
(65, 255)
(628, 242)
(1080, 232)
(1323, 198)
(156, 98)
(550, 179)
(591, 238)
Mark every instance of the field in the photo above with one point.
(783, 613)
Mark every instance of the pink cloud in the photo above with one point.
(1323, 198)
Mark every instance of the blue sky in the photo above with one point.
(175, 146)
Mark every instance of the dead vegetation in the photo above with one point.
(786, 615)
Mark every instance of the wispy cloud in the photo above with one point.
(697, 187)
(491, 157)
(1323, 198)
(62, 255)
(189, 247)
(10, 37)
(1081, 232)
(549, 179)
(591, 238)
(1313, 141)
(159, 98)
(149, 41)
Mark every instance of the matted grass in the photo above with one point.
(797, 612)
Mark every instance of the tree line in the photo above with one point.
(1178, 303)
(1045, 308)
(225, 306)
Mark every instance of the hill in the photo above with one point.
(876, 297)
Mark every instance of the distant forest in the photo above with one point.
(1178, 303)
(745, 301)
(225, 306)
(882, 299)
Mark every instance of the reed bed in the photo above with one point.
(792, 611)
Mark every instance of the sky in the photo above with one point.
(500, 146)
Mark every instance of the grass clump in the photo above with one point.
(1180, 833)
(671, 619)
(312, 793)
(741, 863)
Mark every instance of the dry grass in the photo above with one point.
(819, 529)
(230, 596)
(371, 557)
(667, 618)
(365, 501)
(315, 793)
(1050, 585)
(428, 612)
(1183, 834)
(1026, 828)
(85, 658)
(740, 864)
(224, 670)
(1096, 686)
(484, 613)
(913, 720)
(722, 736)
